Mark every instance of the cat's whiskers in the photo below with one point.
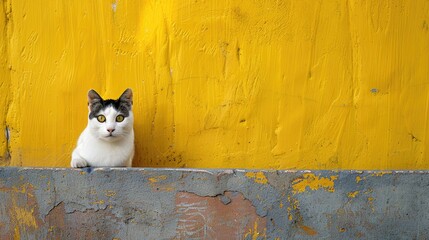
(107, 141)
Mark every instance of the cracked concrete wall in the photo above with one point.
(292, 84)
(212, 204)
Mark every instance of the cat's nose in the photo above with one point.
(110, 130)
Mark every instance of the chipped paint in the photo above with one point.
(255, 233)
(110, 193)
(157, 183)
(24, 217)
(258, 177)
(100, 202)
(359, 178)
(211, 204)
(157, 178)
(381, 173)
(314, 182)
(353, 194)
(293, 209)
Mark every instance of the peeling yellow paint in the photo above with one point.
(353, 194)
(258, 177)
(157, 178)
(157, 185)
(293, 205)
(382, 173)
(22, 189)
(24, 216)
(368, 191)
(110, 193)
(255, 234)
(99, 202)
(289, 213)
(313, 182)
(358, 179)
(17, 234)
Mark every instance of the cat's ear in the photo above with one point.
(127, 96)
(93, 98)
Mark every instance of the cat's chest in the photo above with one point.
(101, 153)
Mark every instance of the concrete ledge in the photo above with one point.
(104, 203)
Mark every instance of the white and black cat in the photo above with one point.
(108, 139)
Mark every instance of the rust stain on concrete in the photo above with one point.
(308, 230)
(87, 224)
(199, 217)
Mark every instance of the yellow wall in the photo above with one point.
(330, 84)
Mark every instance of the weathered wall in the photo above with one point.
(213, 204)
(254, 84)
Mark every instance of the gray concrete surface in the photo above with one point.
(42, 203)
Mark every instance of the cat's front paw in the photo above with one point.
(78, 163)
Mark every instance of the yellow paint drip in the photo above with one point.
(258, 177)
(313, 182)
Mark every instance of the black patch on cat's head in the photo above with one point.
(123, 104)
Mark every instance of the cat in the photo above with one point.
(108, 139)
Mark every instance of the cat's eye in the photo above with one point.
(101, 118)
(120, 118)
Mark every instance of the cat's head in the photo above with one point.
(110, 120)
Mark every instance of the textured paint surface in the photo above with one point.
(210, 204)
(309, 84)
